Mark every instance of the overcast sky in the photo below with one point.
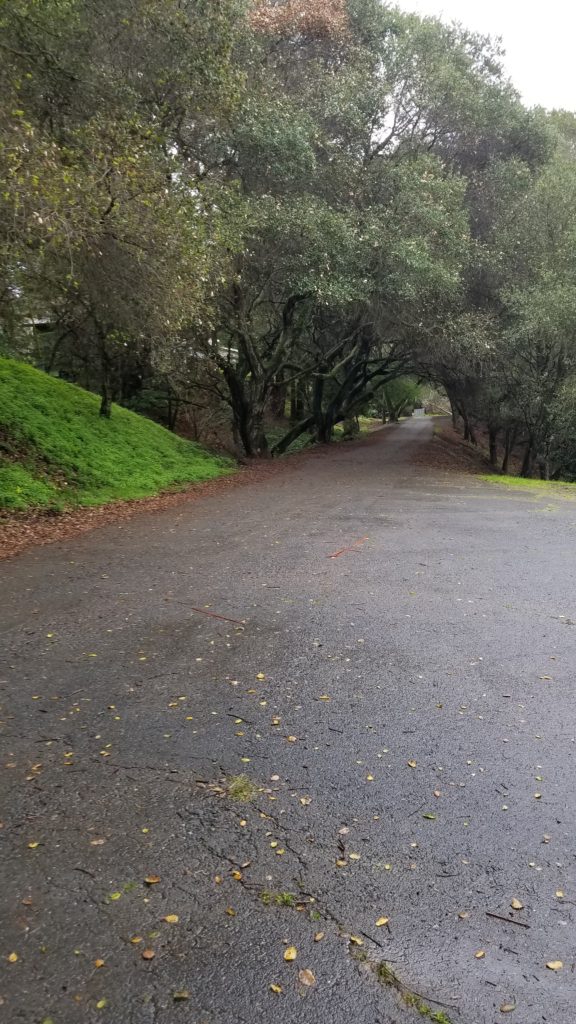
(539, 39)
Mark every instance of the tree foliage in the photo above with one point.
(258, 201)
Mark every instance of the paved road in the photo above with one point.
(397, 707)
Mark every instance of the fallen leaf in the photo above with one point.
(464, 915)
(291, 953)
(101, 1004)
(507, 1007)
(230, 911)
(559, 894)
(555, 965)
(306, 977)
(340, 863)
(305, 800)
(181, 996)
(354, 856)
(292, 739)
(429, 817)
(114, 895)
(237, 875)
(276, 988)
(12, 958)
(356, 940)
(369, 778)
(516, 904)
(479, 954)
(97, 842)
(382, 921)
(152, 879)
(260, 675)
(136, 939)
(318, 936)
(99, 963)
(411, 764)
(171, 918)
(148, 954)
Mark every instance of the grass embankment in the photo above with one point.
(57, 451)
(559, 487)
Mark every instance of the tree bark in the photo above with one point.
(509, 442)
(297, 430)
(493, 443)
(528, 460)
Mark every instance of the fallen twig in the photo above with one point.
(508, 920)
(213, 615)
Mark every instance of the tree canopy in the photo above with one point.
(257, 201)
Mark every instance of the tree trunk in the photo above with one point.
(324, 430)
(469, 434)
(528, 460)
(106, 401)
(493, 443)
(277, 401)
(509, 442)
(297, 430)
(106, 379)
(351, 428)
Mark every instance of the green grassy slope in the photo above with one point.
(56, 450)
(562, 488)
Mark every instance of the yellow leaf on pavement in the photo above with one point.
(291, 953)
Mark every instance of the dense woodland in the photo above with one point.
(284, 210)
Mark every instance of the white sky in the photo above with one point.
(539, 39)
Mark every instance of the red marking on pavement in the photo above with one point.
(356, 544)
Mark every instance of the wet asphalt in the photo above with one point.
(394, 675)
